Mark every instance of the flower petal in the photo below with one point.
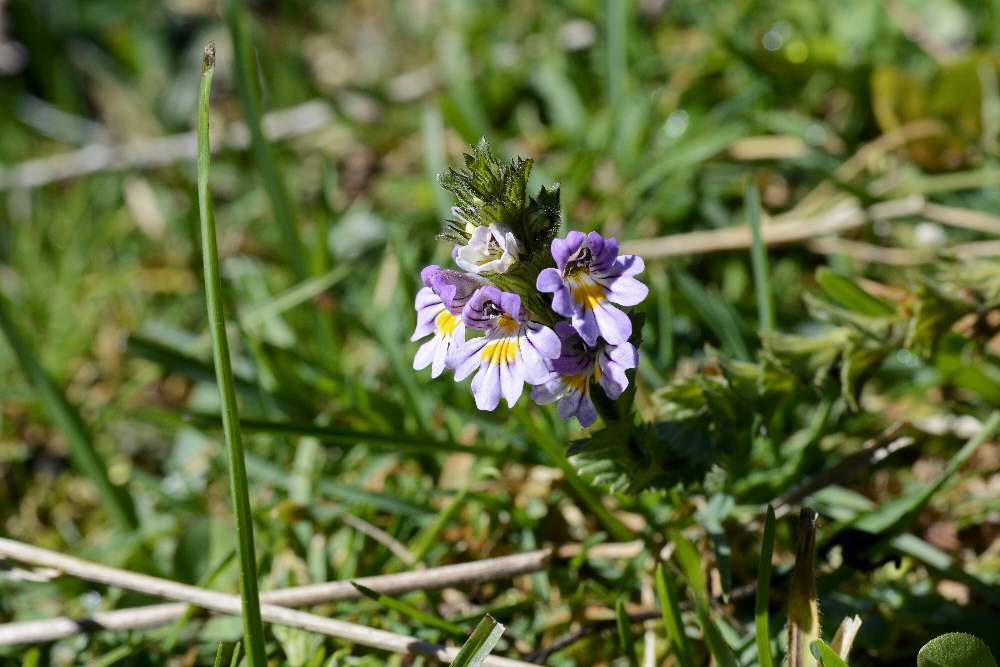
(440, 354)
(428, 305)
(549, 280)
(425, 354)
(549, 391)
(586, 413)
(511, 381)
(545, 340)
(629, 265)
(627, 291)
(585, 323)
(614, 325)
(563, 249)
(467, 358)
(486, 387)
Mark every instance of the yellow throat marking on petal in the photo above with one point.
(507, 324)
(446, 322)
(588, 293)
(579, 382)
(501, 351)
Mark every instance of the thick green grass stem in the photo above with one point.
(253, 628)
(82, 452)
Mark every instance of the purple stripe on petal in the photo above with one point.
(466, 358)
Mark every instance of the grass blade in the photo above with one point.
(235, 659)
(253, 628)
(690, 562)
(274, 182)
(267, 473)
(715, 312)
(82, 452)
(625, 633)
(758, 259)
(422, 617)
(423, 542)
(345, 437)
(762, 620)
(673, 623)
(480, 643)
(617, 41)
(218, 656)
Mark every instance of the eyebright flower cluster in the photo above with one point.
(536, 309)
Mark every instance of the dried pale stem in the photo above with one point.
(158, 152)
(488, 569)
(224, 603)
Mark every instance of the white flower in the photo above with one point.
(492, 249)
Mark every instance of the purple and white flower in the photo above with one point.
(572, 372)
(454, 287)
(492, 249)
(591, 276)
(513, 351)
(438, 314)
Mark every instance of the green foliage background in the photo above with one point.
(641, 110)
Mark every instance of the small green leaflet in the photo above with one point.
(480, 644)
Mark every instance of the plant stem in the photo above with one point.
(253, 629)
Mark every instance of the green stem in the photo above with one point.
(253, 628)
